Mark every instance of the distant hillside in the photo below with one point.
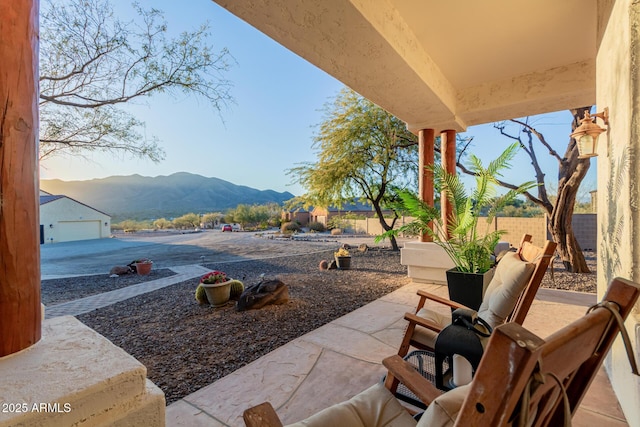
(141, 197)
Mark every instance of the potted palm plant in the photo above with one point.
(468, 241)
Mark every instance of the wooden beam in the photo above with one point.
(20, 315)
(448, 158)
(426, 144)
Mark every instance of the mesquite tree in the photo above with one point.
(363, 153)
(571, 173)
(92, 62)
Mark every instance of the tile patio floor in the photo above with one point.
(342, 358)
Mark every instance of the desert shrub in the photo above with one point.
(316, 226)
(290, 227)
(336, 231)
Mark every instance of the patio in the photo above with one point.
(342, 358)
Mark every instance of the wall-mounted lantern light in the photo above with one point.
(106, 223)
(586, 135)
(50, 225)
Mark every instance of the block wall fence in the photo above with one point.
(584, 227)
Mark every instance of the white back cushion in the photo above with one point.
(511, 276)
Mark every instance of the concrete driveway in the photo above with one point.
(168, 249)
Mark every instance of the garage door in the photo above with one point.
(78, 230)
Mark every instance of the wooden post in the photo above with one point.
(448, 159)
(426, 143)
(20, 316)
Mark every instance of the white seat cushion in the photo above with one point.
(444, 410)
(425, 336)
(511, 276)
(374, 407)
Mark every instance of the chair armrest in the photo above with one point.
(262, 415)
(404, 372)
(440, 300)
(421, 321)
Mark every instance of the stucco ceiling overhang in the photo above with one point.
(443, 64)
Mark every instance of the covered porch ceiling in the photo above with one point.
(444, 64)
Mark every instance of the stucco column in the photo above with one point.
(426, 143)
(448, 159)
(20, 318)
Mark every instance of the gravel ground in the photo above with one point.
(57, 291)
(185, 346)
(559, 278)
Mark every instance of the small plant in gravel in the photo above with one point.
(316, 226)
(341, 252)
(289, 227)
(201, 295)
(237, 287)
(216, 277)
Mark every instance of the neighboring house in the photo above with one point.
(299, 215)
(63, 219)
(324, 215)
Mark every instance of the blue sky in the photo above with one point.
(270, 128)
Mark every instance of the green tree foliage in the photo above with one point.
(162, 224)
(190, 220)
(209, 220)
(91, 62)
(363, 153)
(131, 225)
(260, 216)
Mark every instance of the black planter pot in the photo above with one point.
(468, 288)
(343, 262)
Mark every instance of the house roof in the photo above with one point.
(49, 198)
(44, 199)
(351, 207)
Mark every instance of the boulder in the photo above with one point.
(324, 265)
(120, 270)
(263, 293)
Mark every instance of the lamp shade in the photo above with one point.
(586, 136)
(587, 146)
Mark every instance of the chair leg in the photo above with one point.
(406, 340)
(391, 383)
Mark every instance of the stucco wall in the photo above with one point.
(618, 88)
(60, 217)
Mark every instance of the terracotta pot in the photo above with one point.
(218, 294)
(143, 268)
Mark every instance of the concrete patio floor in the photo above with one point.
(342, 358)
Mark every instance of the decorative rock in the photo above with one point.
(263, 293)
(363, 247)
(324, 265)
(120, 270)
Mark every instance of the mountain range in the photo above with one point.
(141, 197)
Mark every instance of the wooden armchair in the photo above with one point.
(520, 289)
(517, 382)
